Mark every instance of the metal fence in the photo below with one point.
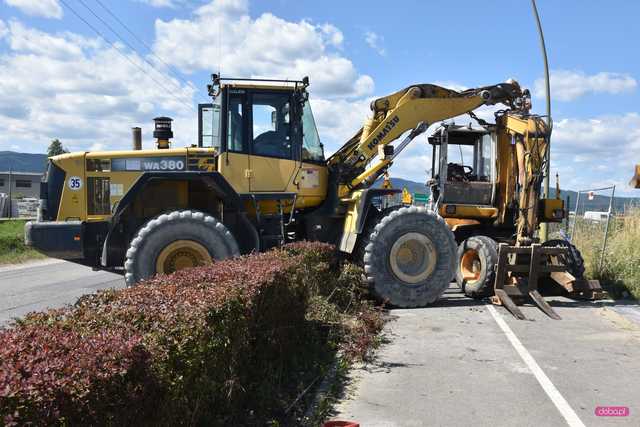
(589, 222)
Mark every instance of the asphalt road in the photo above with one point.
(455, 365)
(48, 284)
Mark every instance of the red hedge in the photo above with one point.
(205, 345)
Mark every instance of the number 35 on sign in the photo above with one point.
(75, 183)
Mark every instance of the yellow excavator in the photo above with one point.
(486, 183)
(258, 178)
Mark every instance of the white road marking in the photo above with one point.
(558, 400)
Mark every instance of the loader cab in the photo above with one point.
(264, 131)
(463, 166)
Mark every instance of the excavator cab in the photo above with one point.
(463, 166)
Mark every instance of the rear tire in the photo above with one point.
(409, 259)
(176, 240)
(575, 262)
(476, 266)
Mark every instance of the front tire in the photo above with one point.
(176, 240)
(476, 266)
(409, 259)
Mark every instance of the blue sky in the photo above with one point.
(59, 79)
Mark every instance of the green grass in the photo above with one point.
(620, 271)
(12, 248)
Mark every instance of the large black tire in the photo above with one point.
(574, 262)
(202, 230)
(399, 238)
(477, 255)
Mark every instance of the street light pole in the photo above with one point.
(544, 231)
(10, 190)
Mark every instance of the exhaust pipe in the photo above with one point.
(136, 137)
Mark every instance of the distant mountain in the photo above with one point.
(412, 186)
(599, 202)
(22, 162)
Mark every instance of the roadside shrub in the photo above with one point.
(53, 374)
(233, 342)
(620, 272)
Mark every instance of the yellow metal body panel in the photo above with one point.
(73, 204)
(269, 174)
(310, 182)
(551, 209)
(457, 223)
(234, 167)
(469, 211)
(349, 235)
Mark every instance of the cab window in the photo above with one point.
(312, 149)
(235, 137)
(271, 125)
(209, 124)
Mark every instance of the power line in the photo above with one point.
(103, 37)
(175, 71)
(106, 24)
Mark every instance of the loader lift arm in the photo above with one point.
(411, 109)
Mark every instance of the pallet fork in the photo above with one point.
(520, 269)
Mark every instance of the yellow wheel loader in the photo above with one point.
(257, 178)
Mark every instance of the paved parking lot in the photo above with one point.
(466, 363)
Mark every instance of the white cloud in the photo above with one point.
(375, 42)
(4, 30)
(568, 85)
(338, 120)
(52, 88)
(596, 151)
(221, 35)
(43, 8)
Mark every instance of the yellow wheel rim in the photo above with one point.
(470, 265)
(413, 258)
(182, 254)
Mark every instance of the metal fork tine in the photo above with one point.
(543, 305)
(509, 304)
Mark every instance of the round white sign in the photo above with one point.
(75, 183)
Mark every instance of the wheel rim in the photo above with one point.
(413, 258)
(470, 265)
(182, 254)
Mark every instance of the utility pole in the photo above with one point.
(544, 231)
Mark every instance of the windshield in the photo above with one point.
(311, 146)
